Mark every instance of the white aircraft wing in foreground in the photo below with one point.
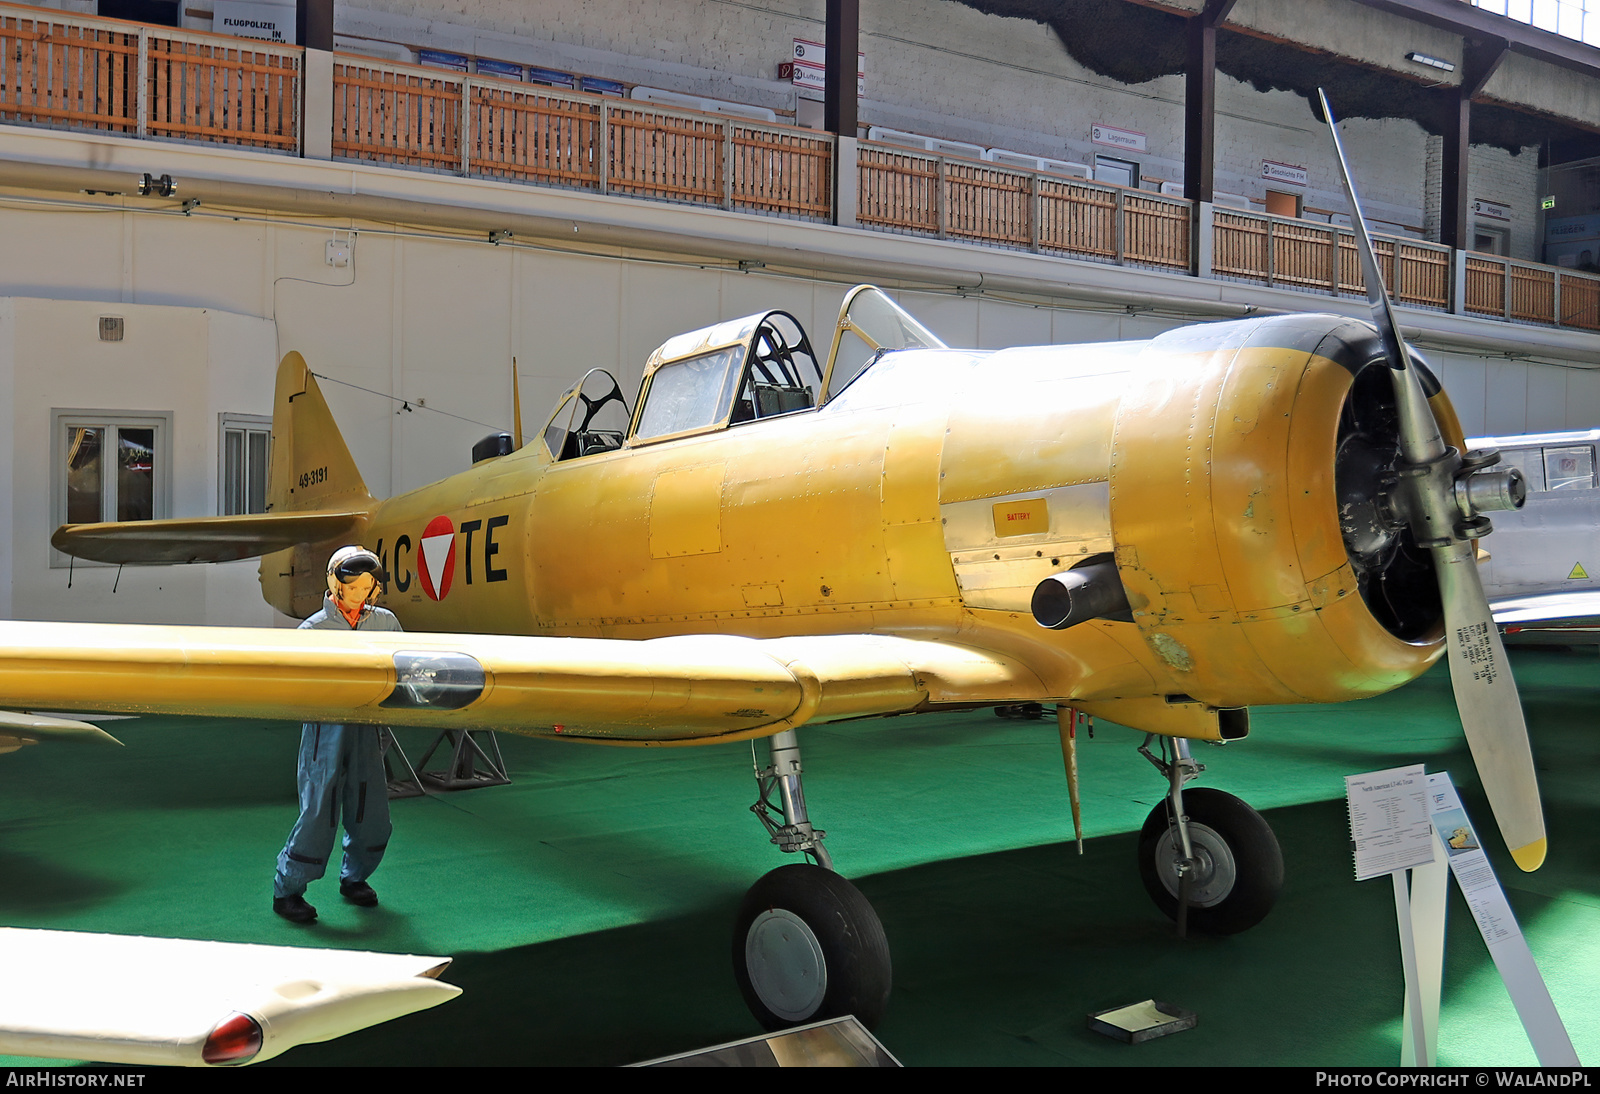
(129, 1000)
(1572, 615)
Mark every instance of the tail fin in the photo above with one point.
(311, 464)
(311, 470)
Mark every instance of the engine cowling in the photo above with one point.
(1248, 467)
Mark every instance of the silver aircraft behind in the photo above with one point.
(1542, 573)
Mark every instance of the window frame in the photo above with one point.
(1574, 482)
(1117, 163)
(1498, 234)
(248, 423)
(63, 418)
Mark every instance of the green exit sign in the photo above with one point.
(1547, 203)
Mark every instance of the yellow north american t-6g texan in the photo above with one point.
(1160, 533)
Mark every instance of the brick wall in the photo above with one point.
(940, 68)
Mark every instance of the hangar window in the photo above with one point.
(160, 12)
(1115, 171)
(109, 466)
(1490, 240)
(243, 447)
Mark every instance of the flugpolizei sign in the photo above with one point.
(268, 22)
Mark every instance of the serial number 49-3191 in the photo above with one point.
(311, 478)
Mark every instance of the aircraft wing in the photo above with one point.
(677, 690)
(1574, 612)
(128, 1000)
(202, 539)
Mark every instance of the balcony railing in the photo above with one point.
(103, 75)
(1532, 293)
(418, 117)
(948, 197)
(1323, 258)
(75, 72)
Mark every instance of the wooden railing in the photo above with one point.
(410, 118)
(488, 128)
(76, 72)
(1323, 258)
(79, 74)
(949, 197)
(1536, 294)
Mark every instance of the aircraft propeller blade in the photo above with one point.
(1428, 494)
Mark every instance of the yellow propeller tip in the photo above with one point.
(1530, 856)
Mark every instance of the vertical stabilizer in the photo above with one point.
(311, 469)
(311, 465)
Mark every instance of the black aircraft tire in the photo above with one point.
(807, 946)
(1241, 869)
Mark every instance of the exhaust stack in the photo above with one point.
(1091, 590)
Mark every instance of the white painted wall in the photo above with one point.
(192, 362)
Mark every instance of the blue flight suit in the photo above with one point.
(340, 767)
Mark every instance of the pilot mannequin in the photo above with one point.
(341, 767)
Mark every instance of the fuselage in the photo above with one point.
(873, 514)
(930, 497)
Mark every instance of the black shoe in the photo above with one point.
(358, 892)
(294, 908)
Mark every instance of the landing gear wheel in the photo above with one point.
(1240, 866)
(807, 946)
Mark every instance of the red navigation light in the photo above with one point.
(234, 1040)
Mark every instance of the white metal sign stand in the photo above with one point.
(1391, 833)
(1503, 938)
(1387, 839)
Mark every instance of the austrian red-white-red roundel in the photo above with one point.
(437, 557)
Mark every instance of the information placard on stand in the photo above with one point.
(1390, 833)
(1404, 820)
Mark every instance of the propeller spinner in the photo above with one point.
(1440, 496)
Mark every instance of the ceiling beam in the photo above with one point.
(1470, 22)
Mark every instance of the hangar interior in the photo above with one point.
(1014, 173)
(422, 281)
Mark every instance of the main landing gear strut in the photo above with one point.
(1206, 858)
(806, 944)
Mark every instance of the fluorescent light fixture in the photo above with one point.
(1431, 62)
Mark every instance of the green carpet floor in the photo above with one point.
(588, 905)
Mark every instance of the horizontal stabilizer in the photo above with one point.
(127, 1000)
(201, 539)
